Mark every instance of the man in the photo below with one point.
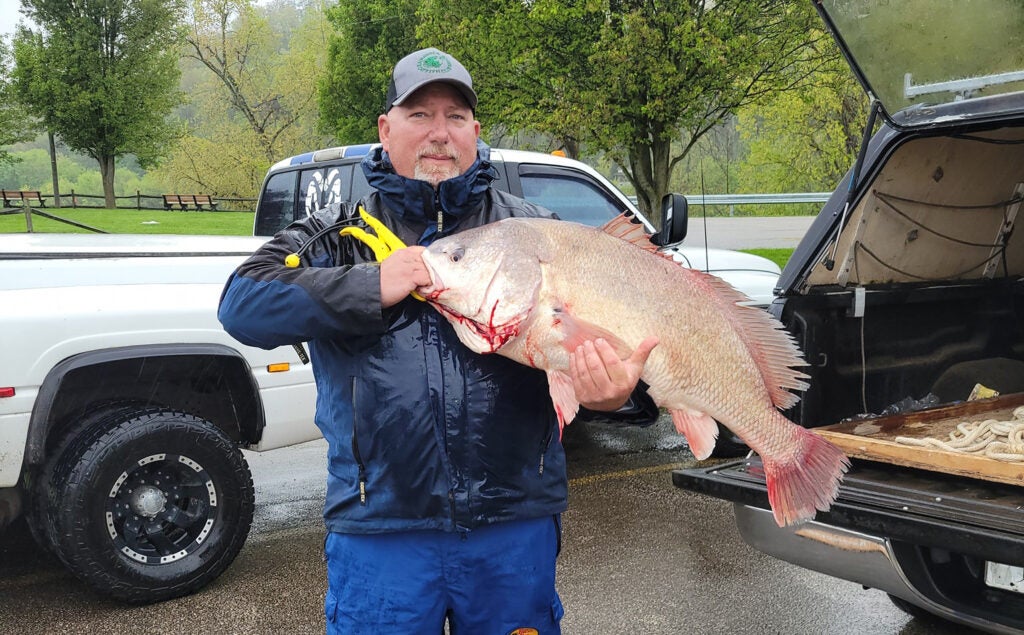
(446, 475)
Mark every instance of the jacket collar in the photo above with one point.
(415, 200)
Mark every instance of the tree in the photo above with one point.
(370, 36)
(805, 139)
(16, 125)
(102, 75)
(639, 80)
(267, 78)
(251, 74)
(527, 60)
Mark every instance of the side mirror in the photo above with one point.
(675, 217)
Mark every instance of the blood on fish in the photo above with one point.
(495, 335)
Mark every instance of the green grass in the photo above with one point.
(778, 256)
(130, 221)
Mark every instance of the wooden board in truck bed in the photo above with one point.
(874, 439)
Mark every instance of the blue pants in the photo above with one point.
(492, 580)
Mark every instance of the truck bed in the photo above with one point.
(875, 439)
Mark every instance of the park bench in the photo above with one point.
(182, 201)
(204, 199)
(17, 198)
(170, 200)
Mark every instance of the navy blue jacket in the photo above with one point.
(423, 433)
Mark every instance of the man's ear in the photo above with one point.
(384, 131)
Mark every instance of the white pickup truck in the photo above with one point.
(124, 405)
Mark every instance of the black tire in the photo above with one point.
(42, 501)
(154, 504)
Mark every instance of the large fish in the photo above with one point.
(533, 289)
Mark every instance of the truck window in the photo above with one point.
(360, 187)
(320, 187)
(277, 204)
(571, 197)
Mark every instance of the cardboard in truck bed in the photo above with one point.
(875, 439)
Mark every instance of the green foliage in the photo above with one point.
(209, 164)
(370, 36)
(268, 76)
(251, 74)
(16, 124)
(629, 78)
(807, 138)
(102, 75)
(31, 171)
(527, 60)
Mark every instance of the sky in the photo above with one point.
(9, 16)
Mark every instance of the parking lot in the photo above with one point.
(639, 556)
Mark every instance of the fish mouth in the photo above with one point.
(490, 334)
(436, 287)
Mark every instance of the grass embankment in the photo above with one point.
(778, 256)
(130, 221)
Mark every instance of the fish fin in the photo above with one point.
(626, 227)
(699, 429)
(576, 331)
(773, 349)
(807, 481)
(563, 396)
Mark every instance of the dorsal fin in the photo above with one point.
(772, 348)
(626, 227)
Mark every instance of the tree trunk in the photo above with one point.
(650, 163)
(53, 170)
(107, 173)
(571, 147)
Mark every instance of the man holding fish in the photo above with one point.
(446, 474)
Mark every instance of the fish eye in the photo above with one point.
(457, 255)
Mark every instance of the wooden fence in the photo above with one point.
(75, 200)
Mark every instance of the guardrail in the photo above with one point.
(752, 199)
(732, 200)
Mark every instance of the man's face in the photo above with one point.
(432, 135)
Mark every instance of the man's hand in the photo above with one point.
(400, 274)
(601, 380)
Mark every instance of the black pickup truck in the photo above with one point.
(906, 294)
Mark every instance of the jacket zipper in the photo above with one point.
(440, 213)
(544, 451)
(355, 449)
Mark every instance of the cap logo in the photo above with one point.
(434, 63)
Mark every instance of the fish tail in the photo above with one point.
(808, 480)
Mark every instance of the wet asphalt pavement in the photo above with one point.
(639, 556)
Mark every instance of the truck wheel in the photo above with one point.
(42, 503)
(152, 507)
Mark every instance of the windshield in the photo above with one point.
(929, 52)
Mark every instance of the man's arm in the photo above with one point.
(267, 304)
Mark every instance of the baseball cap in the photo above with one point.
(424, 67)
